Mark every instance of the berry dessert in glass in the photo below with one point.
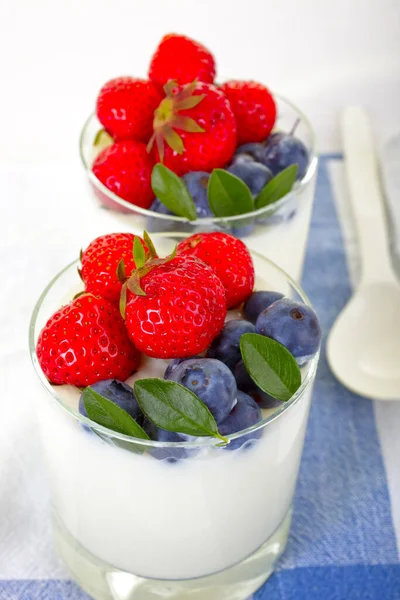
(182, 153)
(177, 380)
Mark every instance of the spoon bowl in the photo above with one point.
(363, 348)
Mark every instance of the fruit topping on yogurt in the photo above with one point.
(180, 118)
(141, 314)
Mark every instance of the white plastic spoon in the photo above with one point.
(363, 347)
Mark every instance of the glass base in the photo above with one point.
(104, 582)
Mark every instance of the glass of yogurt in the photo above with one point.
(130, 523)
(278, 231)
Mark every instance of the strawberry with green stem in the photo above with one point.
(174, 306)
(194, 128)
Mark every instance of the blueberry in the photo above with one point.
(255, 175)
(294, 325)
(211, 381)
(226, 346)
(282, 150)
(246, 384)
(258, 302)
(118, 392)
(169, 453)
(150, 428)
(173, 364)
(247, 152)
(156, 224)
(244, 414)
(197, 183)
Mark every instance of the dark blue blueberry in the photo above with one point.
(247, 152)
(156, 224)
(211, 381)
(247, 385)
(282, 150)
(197, 183)
(173, 364)
(169, 453)
(226, 346)
(150, 428)
(118, 392)
(294, 325)
(255, 175)
(258, 302)
(244, 414)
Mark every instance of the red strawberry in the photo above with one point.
(85, 342)
(125, 169)
(253, 107)
(182, 311)
(125, 107)
(182, 59)
(198, 126)
(101, 259)
(229, 259)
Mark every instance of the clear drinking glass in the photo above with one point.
(278, 231)
(130, 523)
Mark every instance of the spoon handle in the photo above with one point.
(365, 195)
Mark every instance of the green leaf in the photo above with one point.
(270, 365)
(121, 272)
(102, 140)
(148, 241)
(228, 195)
(173, 407)
(110, 415)
(172, 192)
(138, 253)
(278, 187)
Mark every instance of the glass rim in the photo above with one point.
(199, 442)
(300, 185)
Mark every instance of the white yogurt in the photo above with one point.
(170, 521)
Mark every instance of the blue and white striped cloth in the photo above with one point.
(345, 537)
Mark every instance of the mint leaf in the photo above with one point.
(228, 195)
(104, 412)
(172, 192)
(171, 406)
(278, 187)
(270, 365)
(138, 253)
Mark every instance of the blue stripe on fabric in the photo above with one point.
(43, 589)
(379, 582)
(342, 510)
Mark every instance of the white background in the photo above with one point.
(55, 54)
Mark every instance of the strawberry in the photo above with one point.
(100, 261)
(174, 307)
(228, 257)
(253, 107)
(125, 107)
(85, 342)
(182, 59)
(198, 126)
(125, 169)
